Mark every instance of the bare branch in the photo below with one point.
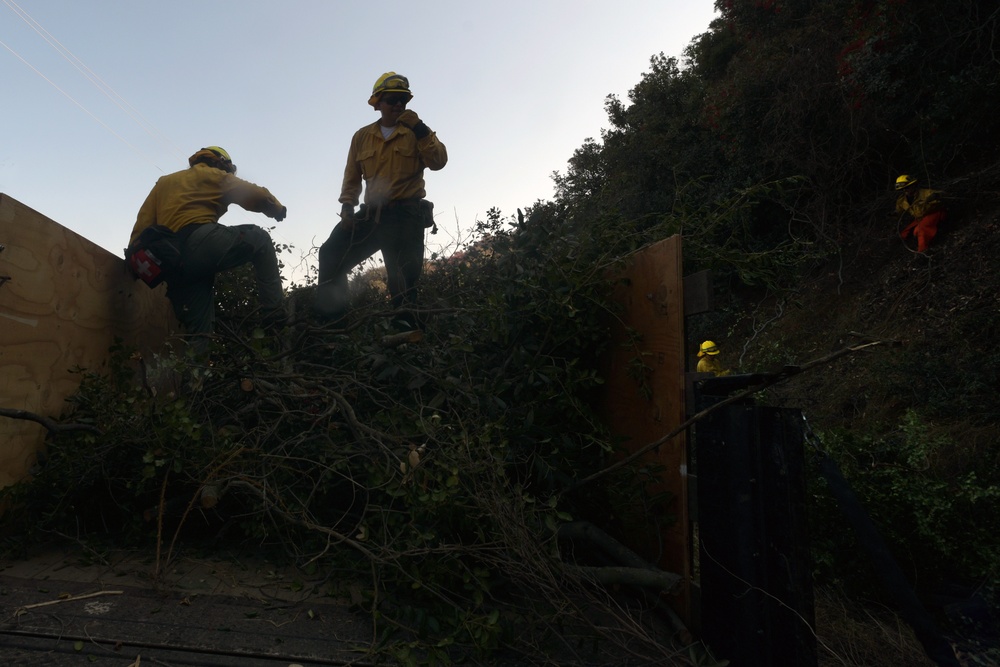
(767, 380)
(50, 425)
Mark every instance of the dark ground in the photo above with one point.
(228, 610)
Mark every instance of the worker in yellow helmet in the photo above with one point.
(189, 203)
(387, 160)
(925, 208)
(708, 359)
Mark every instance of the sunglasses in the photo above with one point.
(392, 99)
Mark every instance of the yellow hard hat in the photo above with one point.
(905, 181)
(221, 152)
(390, 82)
(709, 348)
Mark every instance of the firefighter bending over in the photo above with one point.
(708, 359)
(189, 203)
(924, 206)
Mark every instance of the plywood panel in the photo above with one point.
(651, 296)
(63, 302)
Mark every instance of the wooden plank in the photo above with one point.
(651, 295)
(698, 296)
(63, 303)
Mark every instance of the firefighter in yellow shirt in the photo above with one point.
(708, 359)
(924, 206)
(388, 159)
(189, 203)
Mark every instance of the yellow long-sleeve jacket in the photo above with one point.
(197, 195)
(711, 364)
(926, 201)
(392, 168)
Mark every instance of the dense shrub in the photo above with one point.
(435, 472)
(930, 512)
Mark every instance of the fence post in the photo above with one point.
(756, 595)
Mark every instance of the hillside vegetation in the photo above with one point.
(436, 478)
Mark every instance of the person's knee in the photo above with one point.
(333, 251)
(257, 237)
(327, 253)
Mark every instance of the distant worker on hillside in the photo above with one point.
(189, 203)
(389, 156)
(708, 359)
(924, 206)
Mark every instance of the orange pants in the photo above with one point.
(925, 229)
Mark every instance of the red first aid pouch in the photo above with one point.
(156, 255)
(146, 267)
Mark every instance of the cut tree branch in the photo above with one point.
(50, 425)
(630, 576)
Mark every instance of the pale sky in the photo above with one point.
(102, 97)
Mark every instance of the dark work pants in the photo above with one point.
(211, 249)
(398, 233)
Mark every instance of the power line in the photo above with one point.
(73, 100)
(105, 89)
(93, 78)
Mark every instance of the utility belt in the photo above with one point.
(156, 255)
(419, 208)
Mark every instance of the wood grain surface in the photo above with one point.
(63, 303)
(643, 406)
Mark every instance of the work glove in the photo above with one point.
(410, 119)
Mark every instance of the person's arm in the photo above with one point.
(432, 152)
(252, 197)
(902, 206)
